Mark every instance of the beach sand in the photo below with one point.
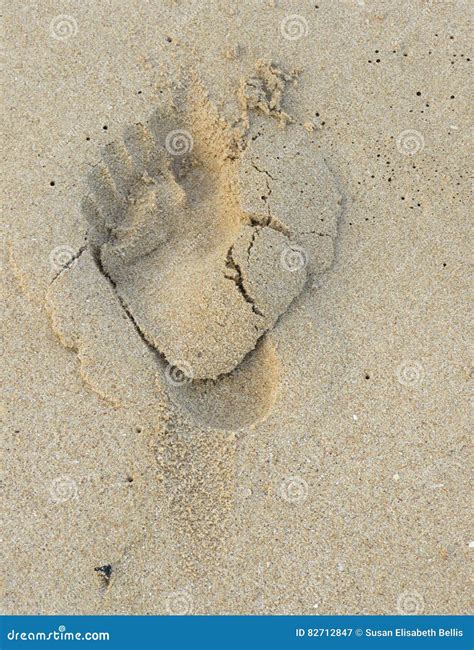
(236, 356)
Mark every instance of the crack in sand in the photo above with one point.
(238, 279)
(262, 171)
(69, 263)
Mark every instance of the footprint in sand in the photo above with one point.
(204, 233)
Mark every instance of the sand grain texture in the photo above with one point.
(236, 250)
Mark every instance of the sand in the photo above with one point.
(236, 354)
